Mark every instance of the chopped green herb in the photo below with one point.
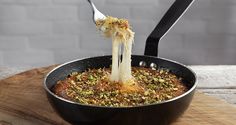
(93, 87)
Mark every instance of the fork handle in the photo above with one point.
(93, 8)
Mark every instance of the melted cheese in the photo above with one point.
(121, 34)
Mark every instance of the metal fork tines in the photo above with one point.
(96, 13)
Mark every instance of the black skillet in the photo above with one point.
(162, 113)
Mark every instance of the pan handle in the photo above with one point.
(177, 9)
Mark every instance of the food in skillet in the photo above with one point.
(93, 87)
(120, 85)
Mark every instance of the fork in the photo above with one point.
(96, 13)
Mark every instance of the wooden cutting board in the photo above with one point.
(23, 101)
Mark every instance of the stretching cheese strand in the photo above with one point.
(121, 34)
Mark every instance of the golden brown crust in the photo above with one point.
(93, 87)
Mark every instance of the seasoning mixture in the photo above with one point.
(93, 87)
(115, 28)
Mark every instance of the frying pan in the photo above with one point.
(162, 113)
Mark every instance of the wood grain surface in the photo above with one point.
(23, 98)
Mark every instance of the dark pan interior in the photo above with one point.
(105, 61)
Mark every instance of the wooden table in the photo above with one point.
(216, 81)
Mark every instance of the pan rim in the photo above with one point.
(125, 107)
